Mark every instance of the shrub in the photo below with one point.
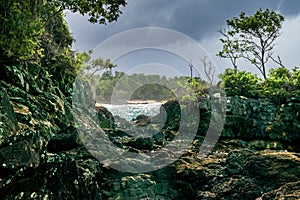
(241, 83)
(295, 78)
(278, 86)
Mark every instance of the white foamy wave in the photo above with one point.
(131, 111)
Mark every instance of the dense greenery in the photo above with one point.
(240, 83)
(99, 11)
(98, 73)
(142, 87)
(253, 38)
(37, 71)
(280, 85)
(35, 40)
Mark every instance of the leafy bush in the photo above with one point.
(281, 85)
(278, 85)
(241, 83)
(295, 78)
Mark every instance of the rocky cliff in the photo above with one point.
(42, 155)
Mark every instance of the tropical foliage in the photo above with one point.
(240, 83)
(35, 39)
(140, 86)
(281, 84)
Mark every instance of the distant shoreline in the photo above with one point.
(131, 102)
(142, 101)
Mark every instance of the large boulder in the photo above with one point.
(64, 141)
(141, 143)
(142, 120)
(273, 168)
(65, 176)
(173, 111)
(106, 119)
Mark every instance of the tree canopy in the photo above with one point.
(99, 11)
(252, 38)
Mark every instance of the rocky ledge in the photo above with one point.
(242, 165)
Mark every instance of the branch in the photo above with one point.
(233, 54)
(209, 70)
(61, 8)
(255, 45)
(96, 70)
(254, 63)
(269, 44)
(279, 62)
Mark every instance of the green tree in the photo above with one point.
(100, 64)
(252, 38)
(295, 79)
(99, 11)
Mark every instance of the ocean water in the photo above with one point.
(131, 111)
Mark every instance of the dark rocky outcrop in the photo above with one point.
(106, 119)
(141, 143)
(259, 122)
(272, 122)
(64, 141)
(172, 110)
(42, 155)
(142, 120)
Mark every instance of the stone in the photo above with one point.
(289, 191)
(8, 110)
(20, 154)
(172, 110)
(237, 188)
(62, 142)
(106, 118)
(273, 168)
(159, 139)
(142, 120)
(235, 161)
(141, 143)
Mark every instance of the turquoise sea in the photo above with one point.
(131, 111)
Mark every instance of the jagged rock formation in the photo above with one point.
(42, 155)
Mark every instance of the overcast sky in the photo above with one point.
(198, 19)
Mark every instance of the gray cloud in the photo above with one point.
(196, 18)
(199, 19)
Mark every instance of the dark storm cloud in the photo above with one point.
(195, 18)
